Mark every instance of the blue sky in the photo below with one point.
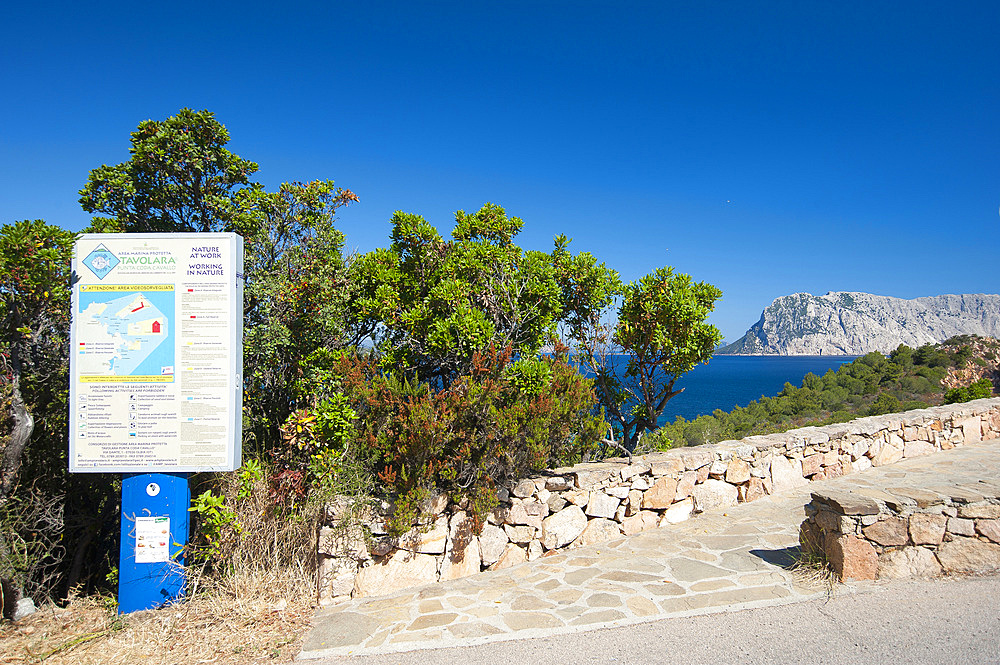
(767, 148)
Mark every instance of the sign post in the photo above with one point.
(156, 386)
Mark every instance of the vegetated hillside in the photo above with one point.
(842, 323)
(960, 369)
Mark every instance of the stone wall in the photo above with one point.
(906, 532)
(594, 502)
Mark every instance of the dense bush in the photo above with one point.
(502, 420)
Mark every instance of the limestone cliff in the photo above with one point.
(842, 323)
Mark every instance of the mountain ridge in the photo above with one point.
(854, 323)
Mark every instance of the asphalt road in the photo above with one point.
(939, 621)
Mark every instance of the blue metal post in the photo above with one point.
(143, 586)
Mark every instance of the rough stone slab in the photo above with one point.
(563, 528)
(989, 529)
(524, 488)
(852, 558)
(598, 530)
(714, 494)
(986, 511)
(961, 527)
(426, 542)
(461, 562)
(848, 503)
(591, 475)
(661, 494)
(402, 570)
(889, 533)
(927, 529)
(492, 542)
(786, 474)
(967, 556)
(678, 512)
(738, 471)
(923, 498)
(601, 505)
(908, 562)
(642, 521)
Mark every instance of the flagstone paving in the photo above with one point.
(732, 559)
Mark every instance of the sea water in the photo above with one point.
(730, 381)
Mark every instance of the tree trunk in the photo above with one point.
(24, 425)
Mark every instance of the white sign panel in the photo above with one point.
(152, 539)
(157, 353)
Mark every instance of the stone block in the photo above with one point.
(812, 464)
(661, 494)
(972, 429)
(696, 459)
(589, 476)
(666, 467)
(678, 512)
(968, 556)
(422, 541)
(981, 510)
(755, 490)
(492, 542)
(918, 448)
(685, 485)
(927, 529)
(961, 527)
(714, 494)
(888, 533)
(597, 531)
(461, 561)
(989, 529)
(524, 488)
(786, 474)
(887, 454)
(634, 469)
(738, 471)
(644, 520)
(851, 557)
(601, 505)
(563, 528)
(512, 555)
(702, 473)
(521, 534)
(848, 503)
(401, 570)
(908, 562)
(555, 503)
(557, 483)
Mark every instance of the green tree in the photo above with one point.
(432, 304)
(661, 334)
(180, 177)
(296, 297)
(34, 355)
(34, 321)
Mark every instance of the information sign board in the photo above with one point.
(157, 353)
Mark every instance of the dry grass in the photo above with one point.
(246, 618)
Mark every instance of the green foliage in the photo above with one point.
(980, 389)
(870, 385)
(486, 428)
(662, 332)
(180, 177)
(217, 526)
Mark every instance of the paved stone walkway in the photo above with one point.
(732, 559)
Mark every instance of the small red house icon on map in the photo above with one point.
(156, 326)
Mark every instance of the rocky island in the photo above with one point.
(846, 323)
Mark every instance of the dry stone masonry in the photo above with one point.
(595, 502)
(906, 532)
